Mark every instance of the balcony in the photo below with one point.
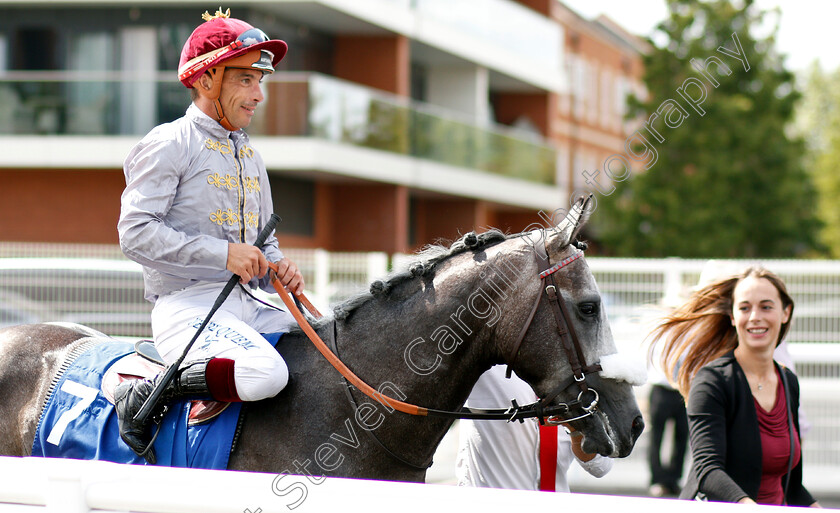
(521, 48)
(297, 105)
(506, 27)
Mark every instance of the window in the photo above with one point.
(89, 107)
(4, 49)
(34, 48)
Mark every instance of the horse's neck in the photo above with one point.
(437, 381)
(432, 364)
(437, 335)
(430, 348)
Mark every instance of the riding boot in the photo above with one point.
(189, 382)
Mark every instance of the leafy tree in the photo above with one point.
(728, 181)
(818, 121)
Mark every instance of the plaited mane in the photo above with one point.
(424, 266)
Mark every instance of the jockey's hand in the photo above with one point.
(289, 276)
(246, 261)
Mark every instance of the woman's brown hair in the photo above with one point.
(701, 329)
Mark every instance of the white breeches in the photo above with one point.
(233, 332)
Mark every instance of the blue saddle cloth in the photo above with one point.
(79, 422)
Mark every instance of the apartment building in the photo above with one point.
(389, 125)
(604, 66)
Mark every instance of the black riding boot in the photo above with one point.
(189, 382)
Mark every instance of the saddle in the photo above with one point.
(146, 363)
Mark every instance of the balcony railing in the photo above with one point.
(297, 104)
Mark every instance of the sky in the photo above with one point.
(807, 29)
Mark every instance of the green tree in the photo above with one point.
(818, 121)
(728, 180)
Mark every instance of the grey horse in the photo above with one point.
(423, 336)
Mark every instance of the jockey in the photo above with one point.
(196, 196)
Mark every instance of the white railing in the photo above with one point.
(96, 286)
(637, 290)
(73, 486)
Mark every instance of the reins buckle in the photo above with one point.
(513, 409)
(556, 420)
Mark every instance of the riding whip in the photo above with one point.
(146, 410)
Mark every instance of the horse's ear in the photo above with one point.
(569, 228)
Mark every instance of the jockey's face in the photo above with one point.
(240, 95)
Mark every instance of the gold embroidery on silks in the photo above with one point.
(228, 181)
(252, 219)
(246, 151)
(221, 217)
(222, 147)
(252, 184)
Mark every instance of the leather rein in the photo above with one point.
(552, 414)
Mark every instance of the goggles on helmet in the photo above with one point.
(248, 38)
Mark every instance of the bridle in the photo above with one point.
(579, 408)
(555, 414)
(569, 339)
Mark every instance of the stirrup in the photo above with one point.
(147, 349)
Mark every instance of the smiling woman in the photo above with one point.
(720, 344)
(758, 314)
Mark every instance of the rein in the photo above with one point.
(552, 414)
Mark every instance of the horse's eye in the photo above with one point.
(588, 309)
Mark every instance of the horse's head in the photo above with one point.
(456, 311)
(567, 353)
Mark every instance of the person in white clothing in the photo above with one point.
(517, 455)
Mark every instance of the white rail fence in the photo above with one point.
(73, 486)
(98, 287)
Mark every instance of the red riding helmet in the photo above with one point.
(224, 42)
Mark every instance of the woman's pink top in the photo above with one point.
(775, 447)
